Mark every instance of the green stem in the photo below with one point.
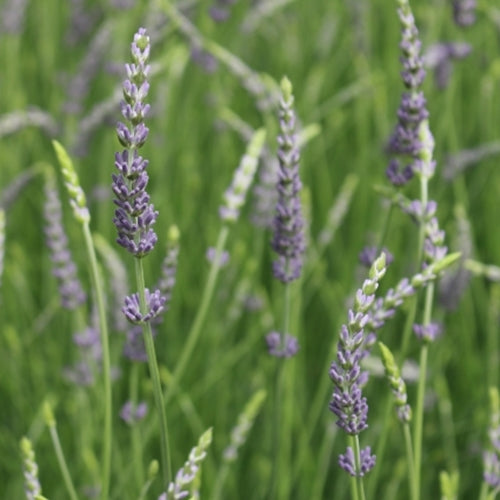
(155, 377)
(62, 462)
(284, 408)
(136, 438)
(354, 482)
(419, 417)
(220, 481)
(357, 458)
(106, 362)
(194, 333)
(411, 465)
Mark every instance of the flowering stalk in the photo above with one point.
(135, 216)
(182, 487)
(229, 211)
(51, 424)
(32, 487)
(348, 403)
(64, 268)
(289, 244)
(82, 215)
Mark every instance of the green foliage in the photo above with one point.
(343, 61)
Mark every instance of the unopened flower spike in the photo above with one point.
(288, 241)
(235, 195)
(77, 196)
(32, 488)
(181, 487)
(63, 266)
(396, 383)
(246, 419)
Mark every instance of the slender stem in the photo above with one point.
(382, 442)
(155, 377)
(136, 438)
(283, 409)
(419, 417)
(411, 465)
(354, 483)
(357, 458)
(194, 333)
(106, 362)
(220, 481)
(62, 462)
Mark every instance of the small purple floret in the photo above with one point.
(282, 346)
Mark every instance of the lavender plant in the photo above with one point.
(289, 244)
(135, 216)
(348, 403)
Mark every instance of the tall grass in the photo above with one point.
(343, 61)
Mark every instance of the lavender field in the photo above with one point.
(249, 249)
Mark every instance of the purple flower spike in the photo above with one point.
(288, 241)
(282, 346)
(135, 215)
(367, 462)
(405, 141)
(154, 306)
(64, 269)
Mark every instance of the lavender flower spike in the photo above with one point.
(182, 486)
(64, 269)
(134, 216)
(32, 487)
(348, 402)
(288, 241)
(412, 109)
(234, 197)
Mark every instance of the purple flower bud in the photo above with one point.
(223, 259)
(131, 413)
(154, 306)
(282, 346)
(427, 333)
(348, 463)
